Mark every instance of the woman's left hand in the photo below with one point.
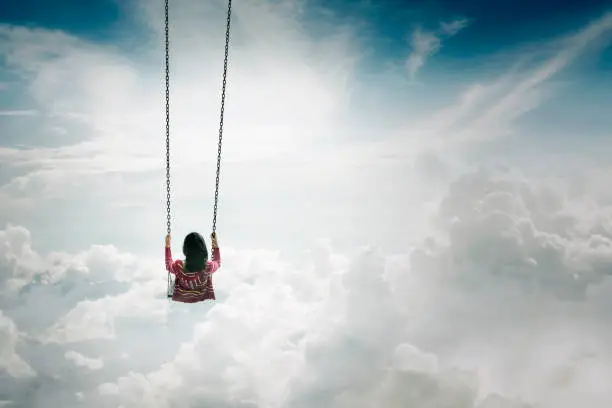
(168, 241)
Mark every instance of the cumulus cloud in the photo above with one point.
(505, 308)
(280, 323)
(518, 269)
(82, 361)
(11, 363)
(519, 228)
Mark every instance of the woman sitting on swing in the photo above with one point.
(193, 278)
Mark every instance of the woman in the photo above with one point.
(193, 282)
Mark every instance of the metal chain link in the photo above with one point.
(168, 212)
(168, 135)
(227, 39)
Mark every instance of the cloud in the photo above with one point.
(531, 234)
(29, 112)
(425, 44)
(488, 111)
(294, 318)
(453, 27)
(528, 91)
(109, 149)
(527, 259)
(311, 75)
(504, 305)
(505, 308)
(94, 153)
(108, 142)
(11, 362)
(82, 361)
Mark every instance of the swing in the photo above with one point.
(168, 217)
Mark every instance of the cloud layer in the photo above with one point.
(510, 300)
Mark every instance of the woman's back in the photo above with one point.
(193, 282)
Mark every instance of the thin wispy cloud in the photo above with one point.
(487, 111)
(528, 91)
(425, 44)
(23, 112)
(453, 27)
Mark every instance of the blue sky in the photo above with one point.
(414, 196)
(493, 27)
(97, 20)
(493, 36)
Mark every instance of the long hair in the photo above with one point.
(196, 254)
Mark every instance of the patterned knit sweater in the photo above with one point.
(192, 287)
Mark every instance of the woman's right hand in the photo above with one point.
(168, 241)
(213, 238)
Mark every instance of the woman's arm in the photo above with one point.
(169, 261)
(215, 261)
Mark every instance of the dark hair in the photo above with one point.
(196, 254)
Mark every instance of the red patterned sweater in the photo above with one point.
(192, 287)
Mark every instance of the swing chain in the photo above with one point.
(167, 122)
(227, 39)
(167, 44)
(168, 134)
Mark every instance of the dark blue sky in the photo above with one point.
(384, 26)
(496, 27)
(92, 19)
(496, 23)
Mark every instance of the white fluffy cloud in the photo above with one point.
(505, 308)
(11, 363)
(83, 361)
